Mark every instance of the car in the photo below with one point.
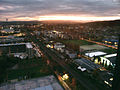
(110, 73)
(82, 69)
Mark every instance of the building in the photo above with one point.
(11, 39)
(109, 59)
(111, 42)
(97, 53)
(7, 31)
(59, 46)
(14, 48)
(72, 54)
(106, 60)
(29, 50)
(21, 55)
(89, 65)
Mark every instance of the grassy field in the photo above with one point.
(76, 42)
(71, 43)
(30, 68)
(93, 47)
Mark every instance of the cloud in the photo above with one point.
(34, 8)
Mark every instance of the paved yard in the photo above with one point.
(43, 83)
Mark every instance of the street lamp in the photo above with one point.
(65, 77)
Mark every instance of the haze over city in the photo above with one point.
(77, 10)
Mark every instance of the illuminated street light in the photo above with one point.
(111, 79)
(65, 77)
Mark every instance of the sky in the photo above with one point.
(78, 10)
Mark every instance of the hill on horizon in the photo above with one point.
(111, 22)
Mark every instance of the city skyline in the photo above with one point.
(77, 10)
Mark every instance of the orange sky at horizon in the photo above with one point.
(67, 18)
(75, 10)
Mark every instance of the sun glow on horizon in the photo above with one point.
(76, 18)
(73, 18)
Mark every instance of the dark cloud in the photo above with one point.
(34, 8)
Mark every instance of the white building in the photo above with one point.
(59, 46)
(29, 49)
(109, 59)
(92, 54)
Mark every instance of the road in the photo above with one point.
(85, 81)
(80, 77)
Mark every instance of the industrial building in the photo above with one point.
(12, 49)
(107, 60)
(90, 66)
(111, 42)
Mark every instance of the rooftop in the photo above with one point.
(28, 45)
(98, 53)
(87, 64)
(7, 31)
(111, 55)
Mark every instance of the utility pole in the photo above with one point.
(116, 77)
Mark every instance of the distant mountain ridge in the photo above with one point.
(106, 23)
(111, 22)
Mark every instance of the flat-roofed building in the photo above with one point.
(109, 59)
(59, 46)
(97, 53)
(89, 65)
(7, 31)
(29, 49)
(106, 60)
(17, 48)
